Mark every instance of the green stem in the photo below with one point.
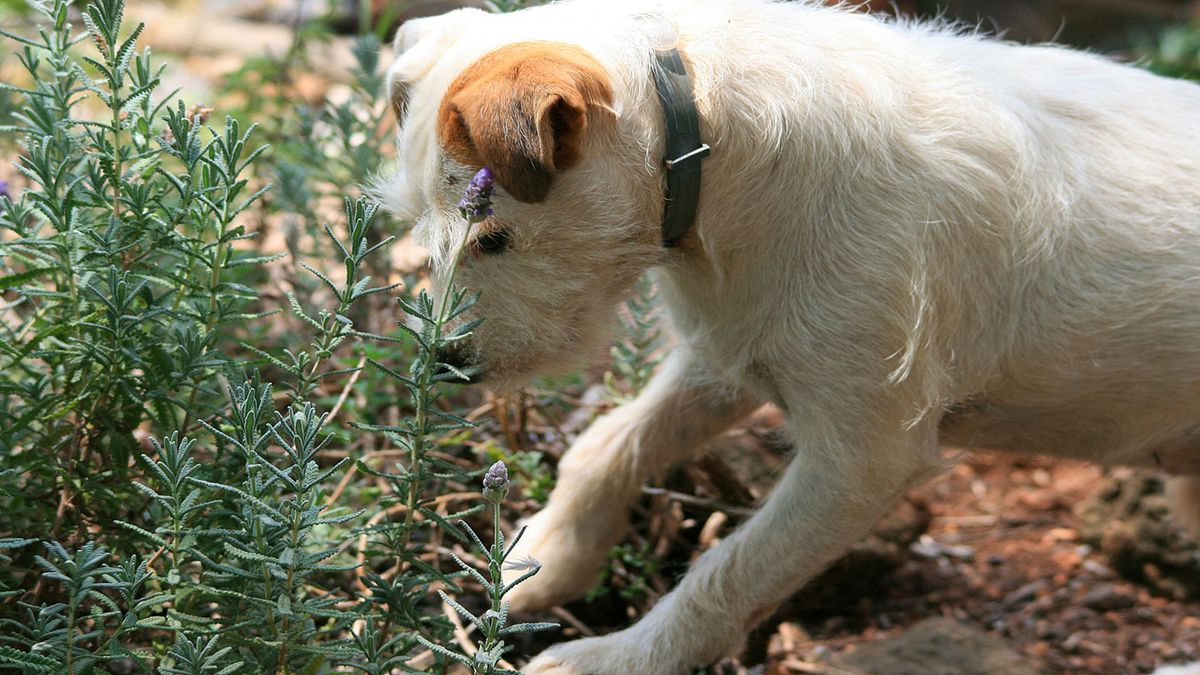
(309, 380)
(116, 132)
(70, 637)
(424, 383)
(495, 573)
(291, 578)
(497, 559)
(214, 281)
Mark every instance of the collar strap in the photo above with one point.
(684, 149)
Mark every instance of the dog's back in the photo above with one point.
(1095, 327)
(1036, 210)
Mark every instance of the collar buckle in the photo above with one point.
(695, 155)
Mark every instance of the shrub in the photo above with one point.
(166, 508)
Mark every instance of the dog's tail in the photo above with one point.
(1183, 493)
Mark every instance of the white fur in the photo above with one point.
(909, 236)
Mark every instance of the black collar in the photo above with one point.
(683, 146)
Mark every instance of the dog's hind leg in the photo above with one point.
(1183, 493)
(601, 475)
(833, 492)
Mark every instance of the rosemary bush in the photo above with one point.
(165, 508)
(120, 272)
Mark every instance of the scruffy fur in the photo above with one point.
(909, 236)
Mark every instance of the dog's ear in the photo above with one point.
(397, 93)
(418, 45)
(524, 111)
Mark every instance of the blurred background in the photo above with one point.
(215, 37)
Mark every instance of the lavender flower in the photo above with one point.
(495, 483)
(476, 204)
(4, 190)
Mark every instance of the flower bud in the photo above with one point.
(495, 483)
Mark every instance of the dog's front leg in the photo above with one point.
(830, 496)
(601, 475)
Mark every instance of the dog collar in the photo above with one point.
(684, 149)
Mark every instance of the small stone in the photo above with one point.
(1066, 560)
(1025, 593)
(1061, 534)
(938, 647)
(1107, 598)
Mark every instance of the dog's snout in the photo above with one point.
(457, 356)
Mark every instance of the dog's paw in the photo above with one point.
(551, 665)
(614, 654)
(571, 556)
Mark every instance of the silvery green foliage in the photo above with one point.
(274, 554)
(120, 263)
(202, 656)
(492, 624)
(165, 511)
(104, 605)
(414, 482)
(636, 355)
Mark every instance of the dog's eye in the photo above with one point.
(492, 242)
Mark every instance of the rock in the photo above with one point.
(938, 647)
(1025, 593)
(1107, 598)
(1192, 669)
(927, 547)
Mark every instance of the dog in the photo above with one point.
(904, 235)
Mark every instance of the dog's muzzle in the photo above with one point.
(458, 356)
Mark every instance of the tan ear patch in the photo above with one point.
(523, 110)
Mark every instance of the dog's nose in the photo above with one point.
(456, 356)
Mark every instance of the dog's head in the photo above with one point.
(575, 207)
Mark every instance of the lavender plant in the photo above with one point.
(398, 600)
(123, 276)
(493, 623)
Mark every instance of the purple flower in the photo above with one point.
(476, 204)
(495, 483)
(4, 190)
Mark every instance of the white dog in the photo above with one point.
(907, 236)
